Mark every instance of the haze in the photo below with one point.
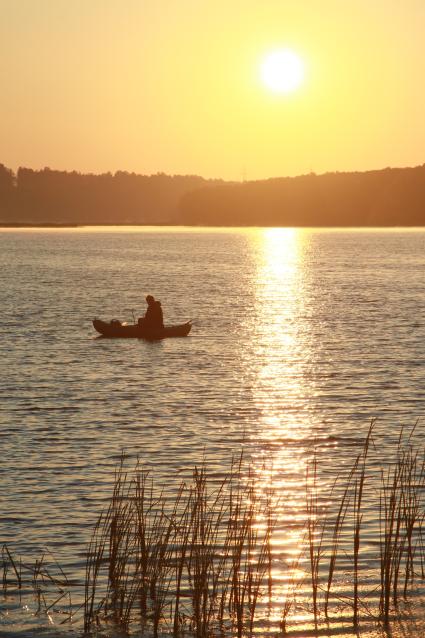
(174, 86)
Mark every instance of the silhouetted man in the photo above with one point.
(153, 319)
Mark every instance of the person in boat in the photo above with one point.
(153, 319)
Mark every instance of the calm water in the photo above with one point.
(300, 337)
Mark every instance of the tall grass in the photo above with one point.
(201, 560)
(401, 524)
(196, 563)
(43, 579)
(391, 493)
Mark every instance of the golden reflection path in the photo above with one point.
(281, 391)
(282, 345)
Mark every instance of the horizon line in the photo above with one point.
(211, 179)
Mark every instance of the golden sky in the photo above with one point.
(175, 86)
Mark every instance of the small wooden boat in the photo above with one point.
(117, 330)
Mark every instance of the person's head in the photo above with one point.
(150, 300)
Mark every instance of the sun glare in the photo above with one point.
(282, 71)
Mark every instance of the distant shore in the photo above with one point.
(388, 197)
(70, 225)
(180, 225)
(32, 225)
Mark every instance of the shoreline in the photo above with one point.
(182, 225)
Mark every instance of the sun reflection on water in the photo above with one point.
(281, 390)
(280, 384)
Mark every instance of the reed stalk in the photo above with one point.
(199, 561)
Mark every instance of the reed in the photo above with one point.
(315, 532)
(401, 524)
(359, 474)
(200, 560)
(400, 510)
(44, 580)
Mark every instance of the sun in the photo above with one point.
(282, 71)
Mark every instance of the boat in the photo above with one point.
(116, 330)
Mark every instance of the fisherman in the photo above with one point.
(153, 319)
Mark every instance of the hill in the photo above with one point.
(59, 197)
(393, 196)
(388, 197)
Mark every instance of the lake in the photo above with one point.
(300, 338)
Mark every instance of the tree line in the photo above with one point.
(51, 196)
(388, 197)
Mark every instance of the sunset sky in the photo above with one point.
(176, 86)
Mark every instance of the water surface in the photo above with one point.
(300, 338)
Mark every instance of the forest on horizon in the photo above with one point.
(387, 197)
